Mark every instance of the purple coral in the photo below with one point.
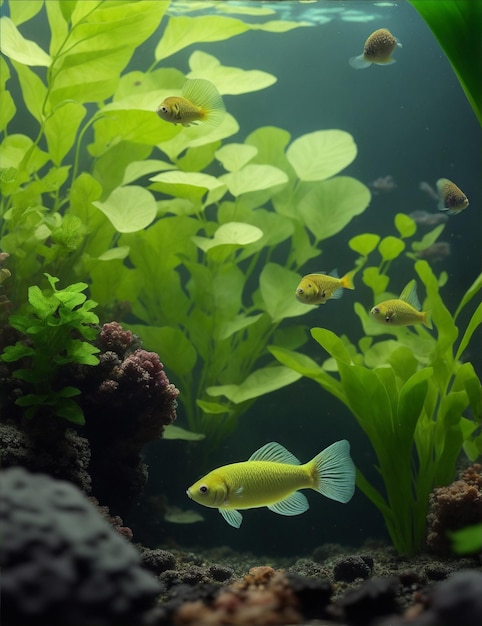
(127, 401)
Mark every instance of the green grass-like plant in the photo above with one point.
(408, 393)
(55, 324)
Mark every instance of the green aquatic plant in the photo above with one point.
(202, 238)
(407, 393)
(457, 25)
(467, 540)
(53, 326)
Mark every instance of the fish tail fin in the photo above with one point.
(347, 280)
(427, 319)
(333, 472)
(359, 62)
(204, 95)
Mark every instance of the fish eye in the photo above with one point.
(203, 489)
(323, 295)
(164, 109)
(375, 309)
(388, 318)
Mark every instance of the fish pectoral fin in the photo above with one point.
(274, 452)
(294, 504)
(337, 294)
(233, 517)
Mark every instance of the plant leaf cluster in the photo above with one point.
(57, 326)
(408, 393)
(204, 238)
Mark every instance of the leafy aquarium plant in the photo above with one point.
(456, 24)
(200, 240)
(408, 393)
(53, 327)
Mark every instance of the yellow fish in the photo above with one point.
(271, 477)
(451, 198)
(402, 312)
(318, 288)
(199, 101)
(378, 49)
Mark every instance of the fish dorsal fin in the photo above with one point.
(409, 295)
(275, 453)
(233, 517)
(334, 273)
(295, 504)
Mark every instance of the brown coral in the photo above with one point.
(263, 597)
(454, 507)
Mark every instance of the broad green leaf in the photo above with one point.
(213, 408)
(232, 233)
(276, 228)
(8, 108)
(192, 185)
(280, 26)
(390, 248)
(321, 154)
(364, 244)
(260, 382)
(253, 178)
(294, 360)
(134, 125)
(176, 432)
(58, 15)
(138, 169)
(330, 205)
(183, 31)
(33, 89)
(171, 344)
(101, 45)
(240, 322)
(234, 156)
(129, 208)
(250, 9)
(61, 129)
(114, 253)
(270, 143)
(467, 540)
(14, 149)
(277, 285)
(428, 239)
(332, 344)
(228, 80)
(17, 48)
(21, 12)
(376, 281)
(405, 225)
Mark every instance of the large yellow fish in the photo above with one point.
(271, 477)
(451, 198)
(378, 49)
(404, 311)
(199, 101)
(318, 288)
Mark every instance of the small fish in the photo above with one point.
(451, 198)
(378, 49)
(438, 251)
(271, 477)
(199, 101)
(405, 311)
(318, 288)
(428, 219)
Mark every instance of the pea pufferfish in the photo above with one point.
(199, 101)
(271, 477)
(378, 49)
(318, 288)
(404, 311)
